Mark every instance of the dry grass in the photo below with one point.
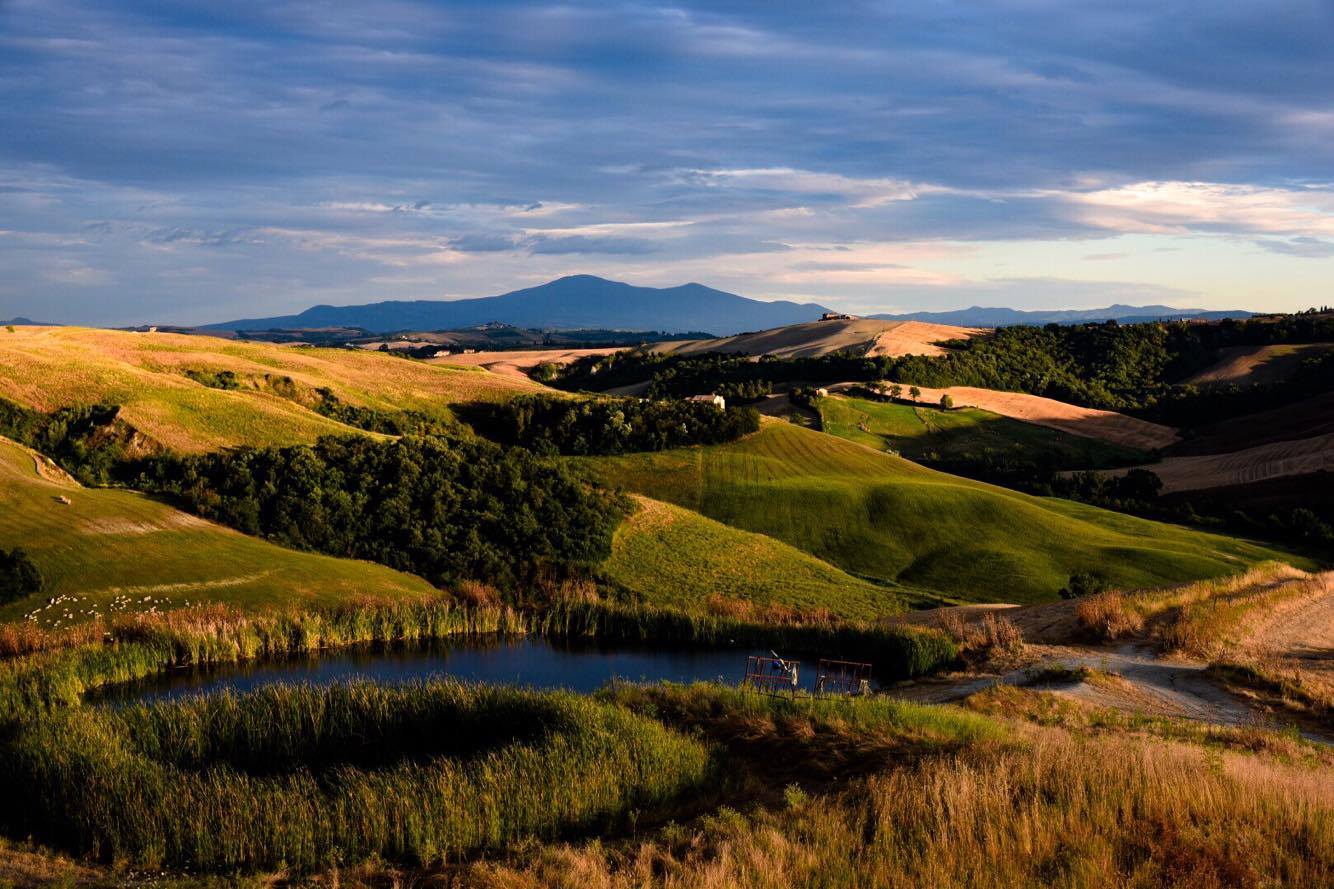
(1107, 616)
(48, 368)
(989, 639)
(1195, 618)
(1059, 812)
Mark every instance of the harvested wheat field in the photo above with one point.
(520, 361)
(1086, 421)
(47, 368)
(865, 336)
(1247, 365)
(1276, 460)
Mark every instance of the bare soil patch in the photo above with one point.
(1246, 466)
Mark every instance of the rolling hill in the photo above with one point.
(886, 518)
(930, 433)
(1108, 426)
(576, 301)
(864, 336)
(670, 556)
(146, 374)
(111, 552)
(1248, 365)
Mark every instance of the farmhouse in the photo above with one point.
(716, 400)
(835, 316)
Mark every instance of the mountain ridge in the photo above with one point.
(1000, 316)
(575, 301)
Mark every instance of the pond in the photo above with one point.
(526, 661)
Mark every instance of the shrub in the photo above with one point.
(1081, 584)
(19, 577)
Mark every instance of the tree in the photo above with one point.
(19, 577)
(1081, 584)
(946, 403)
(916, 394)
(895, 392)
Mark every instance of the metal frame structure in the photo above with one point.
(771, 675)
(843, 678)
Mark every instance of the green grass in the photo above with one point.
(111, 552)
(929, 433)
(305, 777)
(671, 557)
(883, 517)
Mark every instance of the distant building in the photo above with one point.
(835, 316)
(716, 400)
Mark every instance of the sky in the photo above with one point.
(190, 162)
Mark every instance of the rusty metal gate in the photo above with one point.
(844, 678)
(771, 675)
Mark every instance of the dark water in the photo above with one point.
(530, 662)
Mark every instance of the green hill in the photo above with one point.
(671, 556)
(149, 375)
(112, 547)
(927, 432)
(884, 517)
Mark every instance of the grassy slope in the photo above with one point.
(916, 432)
(109, 543)
(881, 516)
(49, 368)
(672, 556)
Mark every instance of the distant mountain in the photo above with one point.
(578, 301)
(27, 321)
(980, 316)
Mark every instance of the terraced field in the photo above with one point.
(880, 516)
(106, 552)
(671, 556)
(48, 368)
(926, 432)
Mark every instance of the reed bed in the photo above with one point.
(146, 645)
(302, 777)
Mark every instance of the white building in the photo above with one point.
(716, 400)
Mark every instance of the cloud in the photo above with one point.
(1310, 248)
(296, 152)
(557, 246)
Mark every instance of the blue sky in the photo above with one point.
(198, 161)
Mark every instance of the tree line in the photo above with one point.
(604, 426)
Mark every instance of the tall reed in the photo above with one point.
(143, 646)
(305, 777)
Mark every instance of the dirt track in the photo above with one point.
(1257, 464)
(1086, 421)
(519, 362)
(1297, 634)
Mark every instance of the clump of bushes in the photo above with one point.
(19, 577)
(548, 425)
